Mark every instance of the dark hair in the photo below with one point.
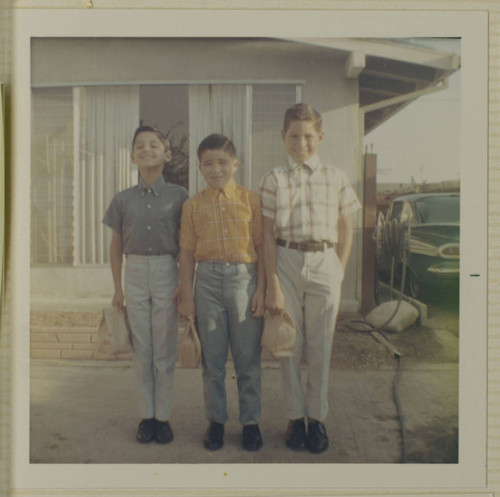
(150, 129)
(303, 112)
(217, 141)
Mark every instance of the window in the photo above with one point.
(439, 209)
(81, 150)
(52, 199)
(406, 214)
(397, 208)
(105, 121)
(251, 116)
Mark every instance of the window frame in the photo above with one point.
(76, 227)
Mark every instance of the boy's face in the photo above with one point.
(149, 151)
(301, 140)
(217, 167)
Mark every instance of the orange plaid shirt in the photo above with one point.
(222, 225)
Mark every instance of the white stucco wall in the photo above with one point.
(336, 98)
(82, 289)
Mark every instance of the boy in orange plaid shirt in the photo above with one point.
(221, 232)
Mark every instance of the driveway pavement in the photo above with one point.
(85, 412)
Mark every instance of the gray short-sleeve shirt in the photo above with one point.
(148, 219)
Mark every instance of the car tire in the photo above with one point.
(413, 285)
(376, 283)
(376, 289)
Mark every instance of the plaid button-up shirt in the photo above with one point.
(306, 200)
(222, 225)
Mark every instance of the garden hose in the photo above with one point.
(395, 240)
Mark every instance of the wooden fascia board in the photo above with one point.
(437, 59)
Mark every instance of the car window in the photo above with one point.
(397, 207)
(432, 210)
(406, 213)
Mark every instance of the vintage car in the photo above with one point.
(431, 223)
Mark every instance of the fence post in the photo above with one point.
(369, 222)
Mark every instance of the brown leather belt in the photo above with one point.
(305, 246)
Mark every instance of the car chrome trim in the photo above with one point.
(448, 246)
(419, 247)
(443, 270)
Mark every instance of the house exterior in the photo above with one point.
(89, 95)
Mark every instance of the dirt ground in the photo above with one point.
(351, 349)
(60, 318)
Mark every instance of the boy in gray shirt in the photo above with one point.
(145, 220)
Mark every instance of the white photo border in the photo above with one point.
(471, 27)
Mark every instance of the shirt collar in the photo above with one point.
(155, 187)
(311, 165)
(228, 191)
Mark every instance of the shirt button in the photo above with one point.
(149, 206)
(149, 227)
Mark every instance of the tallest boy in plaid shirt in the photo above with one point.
(306, 212)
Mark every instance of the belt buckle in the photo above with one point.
(306, 247)
(317, 246)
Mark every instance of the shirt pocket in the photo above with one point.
(168, 216)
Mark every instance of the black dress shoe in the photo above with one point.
(296, 434)
(214, 437)
(317, 439)
(146, 431)
(164, 433)
(252, 438)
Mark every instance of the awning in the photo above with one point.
(391, 73)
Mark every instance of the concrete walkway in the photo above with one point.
(85, 411)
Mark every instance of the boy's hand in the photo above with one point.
(275, 300)
(176, 296)
(258, 306)
(186, 308)
(118, 299)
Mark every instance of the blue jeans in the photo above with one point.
(223, 297)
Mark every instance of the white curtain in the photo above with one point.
(105, 119)
(222, 109)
